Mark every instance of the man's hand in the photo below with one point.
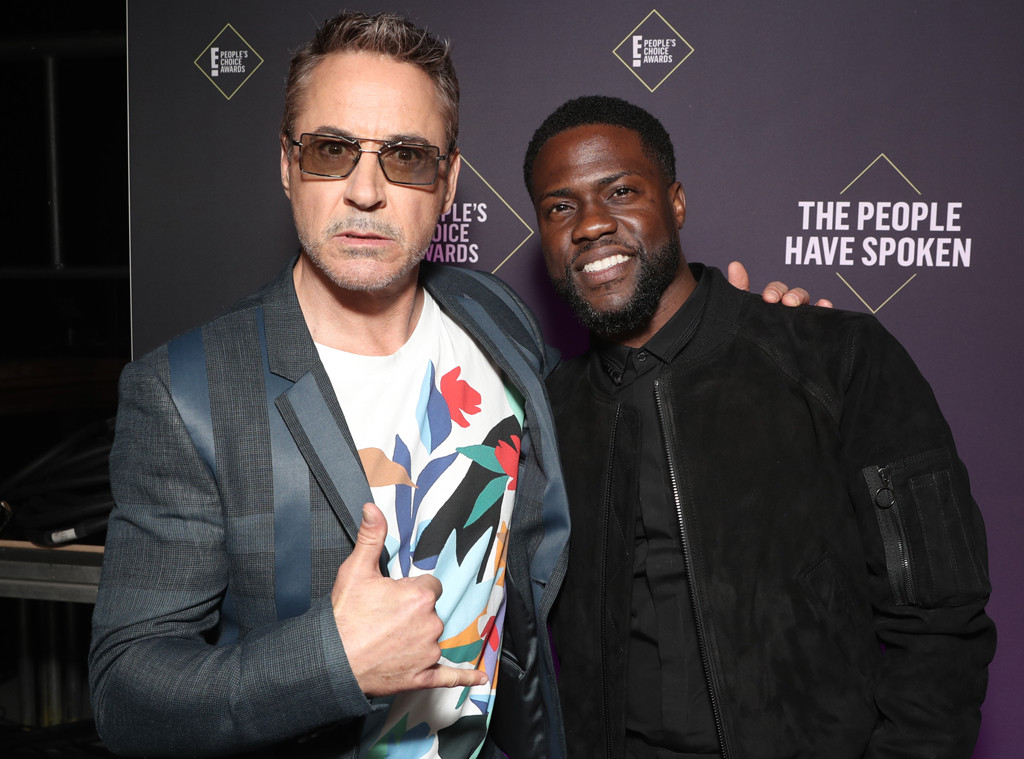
(389, 627)
(775, 292)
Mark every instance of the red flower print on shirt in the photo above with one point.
(460, 397)
(508, 456)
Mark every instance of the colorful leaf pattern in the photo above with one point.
(454, 543)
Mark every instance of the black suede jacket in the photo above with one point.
(837, 560)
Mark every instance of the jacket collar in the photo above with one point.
(290, 346)
(716, 326)
(290, 349)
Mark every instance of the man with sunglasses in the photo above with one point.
(249, 596)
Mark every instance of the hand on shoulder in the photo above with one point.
(774, 292)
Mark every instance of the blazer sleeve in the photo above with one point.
(159, 685)
(926, 552)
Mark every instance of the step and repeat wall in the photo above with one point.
(869, 151)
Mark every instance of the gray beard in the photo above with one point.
(314, 250)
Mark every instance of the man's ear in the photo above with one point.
(286, 176)
(677, 198)
(451, 179)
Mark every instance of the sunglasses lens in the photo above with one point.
(410, 164)
(328, 156)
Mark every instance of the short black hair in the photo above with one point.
(602, 109)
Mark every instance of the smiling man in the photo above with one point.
(775, 552)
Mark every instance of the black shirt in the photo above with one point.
(668, 709)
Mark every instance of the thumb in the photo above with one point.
(370, 539)
(738, 276)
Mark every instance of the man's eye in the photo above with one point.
(406, 155)
(331, 149)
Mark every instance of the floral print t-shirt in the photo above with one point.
(438, 433)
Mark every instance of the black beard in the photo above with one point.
(656, 271)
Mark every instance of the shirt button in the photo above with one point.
(641, 356)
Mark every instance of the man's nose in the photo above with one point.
(365, 187)
(594, 221)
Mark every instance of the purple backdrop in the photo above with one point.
(869, 151)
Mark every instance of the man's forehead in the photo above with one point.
(352, 92)
(592, 153)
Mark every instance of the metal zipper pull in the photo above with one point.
(894, 536)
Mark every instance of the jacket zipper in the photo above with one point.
(894, 534)
(605, 695)
(688, 562)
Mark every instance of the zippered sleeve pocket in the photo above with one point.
(932, 535)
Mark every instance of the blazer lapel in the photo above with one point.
(522, 369)
(327, 448)
(309, 407)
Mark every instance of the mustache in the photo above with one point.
(364, 225)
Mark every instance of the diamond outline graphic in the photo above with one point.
(529, 229)
(615, 50)
(898, 289)
(868, 167)
(207, 49)
(884, 302)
